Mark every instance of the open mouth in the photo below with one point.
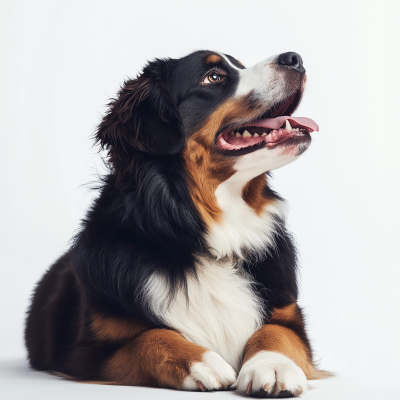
(282, 130)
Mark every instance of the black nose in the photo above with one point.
(291, 60)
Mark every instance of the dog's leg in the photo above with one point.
(277, 359)
(163, 358)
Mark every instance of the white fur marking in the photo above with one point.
(273, 369)
(263, 80)
(222, 313)
(213, 372)
(229, 61)
(266, 82)
(241, 228)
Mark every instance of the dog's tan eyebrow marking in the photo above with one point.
(213, 59)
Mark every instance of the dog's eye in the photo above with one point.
(213, 77)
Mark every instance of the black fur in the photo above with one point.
(134, 228)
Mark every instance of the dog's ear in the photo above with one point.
(143, 119)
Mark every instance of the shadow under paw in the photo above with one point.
(264, 394)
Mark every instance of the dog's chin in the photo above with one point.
(268, 158)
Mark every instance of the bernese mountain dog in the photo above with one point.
(183, 274)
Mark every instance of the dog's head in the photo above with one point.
(215, 111)
(221, 119)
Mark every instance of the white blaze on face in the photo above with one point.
(264, 81)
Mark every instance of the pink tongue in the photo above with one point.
(295, 122)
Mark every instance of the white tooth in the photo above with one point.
(288, 127)
(264, 134)
(238, 134)
(232, 133)
(246, 133)
(256, 135)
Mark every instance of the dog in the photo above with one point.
(183, 274)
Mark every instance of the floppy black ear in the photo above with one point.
(142, 119)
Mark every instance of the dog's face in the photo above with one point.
(214, 110)
(234, 114)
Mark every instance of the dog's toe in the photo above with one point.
(212, 373)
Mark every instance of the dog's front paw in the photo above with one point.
(212, 373)
(270, 374)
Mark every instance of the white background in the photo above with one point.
(62, 60)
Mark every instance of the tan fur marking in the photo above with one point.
(252, 194)
(213, 59)
(115, 328)
(291, 314)
(206, 168)
(158, 358)
(288, 313)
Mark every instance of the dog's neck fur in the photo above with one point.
(242, 229)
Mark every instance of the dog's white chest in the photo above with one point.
(222, 313)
